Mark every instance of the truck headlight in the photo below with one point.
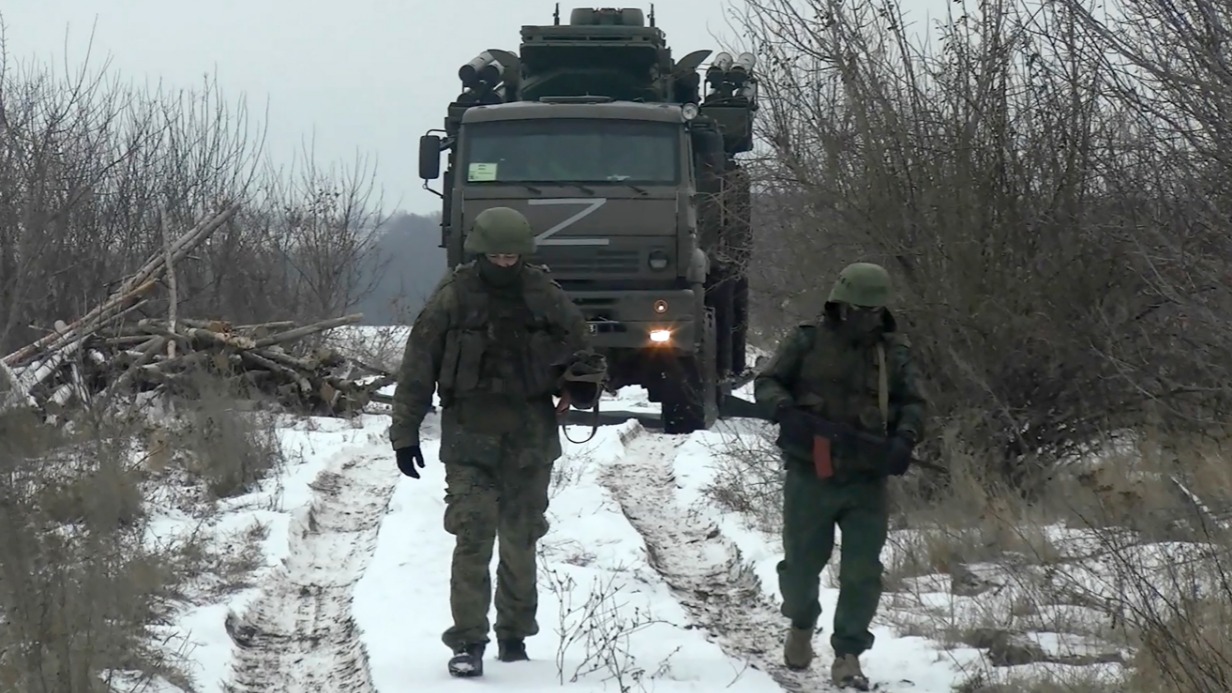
(658, 260)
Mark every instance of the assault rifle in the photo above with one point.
(819, 434)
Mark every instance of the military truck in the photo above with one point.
(608, 146)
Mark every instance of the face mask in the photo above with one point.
(863, 321)
(499, 276)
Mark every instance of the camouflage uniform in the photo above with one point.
(491, 338)
(852, 367)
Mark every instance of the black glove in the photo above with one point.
(780, 409)
(408, 457)
(898, 456)
(792, 430)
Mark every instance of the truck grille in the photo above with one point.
(598, 261)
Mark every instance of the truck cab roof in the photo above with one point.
(527, 110)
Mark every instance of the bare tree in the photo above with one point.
(1036, 224)
(88, 165)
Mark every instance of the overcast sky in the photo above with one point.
(356, 76)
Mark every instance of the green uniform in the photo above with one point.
(491, 340)
(850, 367)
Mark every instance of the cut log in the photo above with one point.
(301, 332)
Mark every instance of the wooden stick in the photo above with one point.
(274, 325)
(153, 327)
(148, 350)
(169, 261)
(286, 360)
(144, 278)
(235, 341)
(185, 244)
(114, 307)
(126, 340)
(11, 394)
(250, 327)
(41, 370)
(299, 380)
(306, 330)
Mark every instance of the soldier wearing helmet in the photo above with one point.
(491, 340)
(851, 367)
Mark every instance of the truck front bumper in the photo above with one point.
(640, 319)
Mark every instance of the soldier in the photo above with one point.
(493, 338)
(849, 367)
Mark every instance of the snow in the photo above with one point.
(589, 546)
(395, 600)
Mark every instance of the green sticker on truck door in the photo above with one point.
(477, 173)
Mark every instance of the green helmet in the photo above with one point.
(862, 284)
(500, 231)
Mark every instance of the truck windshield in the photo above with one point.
(572, 151)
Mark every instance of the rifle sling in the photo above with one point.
(883, 387)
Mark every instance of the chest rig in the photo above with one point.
(844, 381)
(501, 341)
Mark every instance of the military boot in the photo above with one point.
(467, 661)
(846, 672)
(511, 650)
(798, 650)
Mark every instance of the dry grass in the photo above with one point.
(1050, 195)
(1105, 554)
(81, 581)
(751, 481)
(1060, 680)
(1189, 653)
(219, 437)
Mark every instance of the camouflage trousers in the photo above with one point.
(812, 508)
(496, 494)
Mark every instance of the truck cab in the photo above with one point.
(609, 187)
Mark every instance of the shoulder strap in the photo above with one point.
(541, 275)
(540, 291)
(469, 295)
(883, 385)
(896, 340)
(594, 425)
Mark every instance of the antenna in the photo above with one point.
(556, 15)
(652, 23)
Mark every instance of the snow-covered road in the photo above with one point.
(641, 587)
(299, 634)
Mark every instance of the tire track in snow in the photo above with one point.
(298, 635)
(705, 569)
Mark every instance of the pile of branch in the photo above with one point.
(156, 354)
(110, 351)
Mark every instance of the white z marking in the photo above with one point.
(589, 204)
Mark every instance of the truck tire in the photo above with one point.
(721, 297)
(690, 387)
(740, 324)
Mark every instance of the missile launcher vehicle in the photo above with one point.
(625, 160)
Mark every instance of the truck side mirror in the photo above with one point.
(430, 157)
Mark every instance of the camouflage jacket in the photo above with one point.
(819, 369)
(453, 344)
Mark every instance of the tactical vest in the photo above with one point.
(477, 361)
(845, 382)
